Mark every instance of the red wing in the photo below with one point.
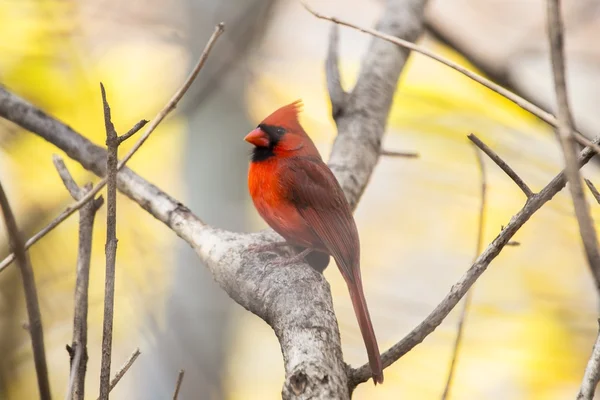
(320, 200)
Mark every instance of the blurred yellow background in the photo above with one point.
(532, 322)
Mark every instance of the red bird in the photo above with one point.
(296, 193)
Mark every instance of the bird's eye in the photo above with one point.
(280, 131)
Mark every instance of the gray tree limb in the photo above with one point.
(307, 330)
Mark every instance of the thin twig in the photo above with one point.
(170, 106)
(467, 301)
(87, 214)
(133, 131)
(591, 376)
(31, 297)
(502, 164)
(587, 229)
(459, 289)
(112, 144)
(124, 368)
(178, 384)
(521, 102)
(75, 356)
(405, 154)
(593, 189)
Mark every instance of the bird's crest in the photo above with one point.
(286, 116)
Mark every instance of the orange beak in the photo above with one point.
(258, 138)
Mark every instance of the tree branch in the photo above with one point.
(112, 144)
(459, 289)
(295, 300)
(565, 134)
(519, 101)
(337, 95)
(123, 370)
(78, 348)
(405, 154)
(31, 297)
(593, 189)
(502, 164)
(591, 375)
(178, 384)
(478, 248)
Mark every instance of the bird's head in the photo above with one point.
(281, 135)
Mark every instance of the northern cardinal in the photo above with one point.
(296, 193)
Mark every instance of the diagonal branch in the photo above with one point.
(519, 101)
(502, 164)
(31, 297)
(565, 134)
(78, 348)
(459, 289)
(467, 302)
(123, 370)
(593, 189)
(178, 384)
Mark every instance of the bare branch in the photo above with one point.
(123, 370)
(75, 356)
(12, 109)
(112, 144)
(133, 130)
(405, 154)
(593, 189)
(337, 95)
(587, 229)
(31, 297)
(467, 302)
(178, 384)
(519, 101)
(78, 348)
(502, 164)
(591, 375)
(459, 289)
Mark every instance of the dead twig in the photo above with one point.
(519, 101)
(593, 189)
(78, 348)
(170, 106)
(31, 297)
(405, 154)
(587, 229)
(178, 384)
(467, 302)
(112, 145)
(502, 164)
(123, 370)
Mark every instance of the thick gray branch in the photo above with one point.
(361, 124)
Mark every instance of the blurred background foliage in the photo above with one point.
(533, 317)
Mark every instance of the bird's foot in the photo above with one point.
(283, 261)
(260, 248)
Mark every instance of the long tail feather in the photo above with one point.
(366, 327)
